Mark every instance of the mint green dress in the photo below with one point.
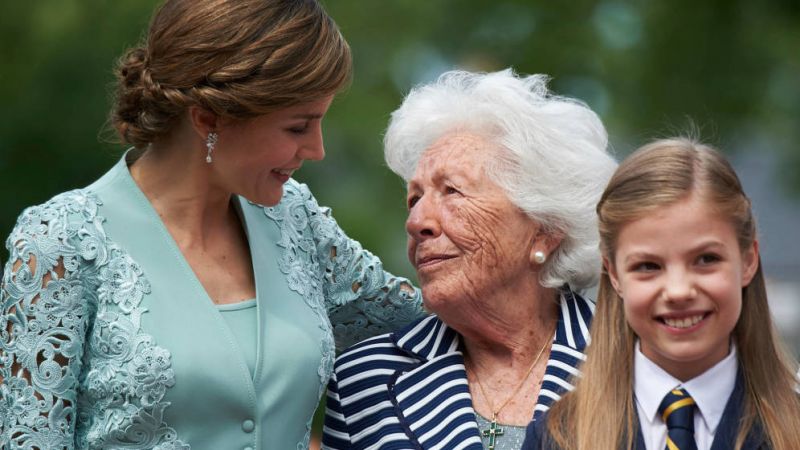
(108, 340)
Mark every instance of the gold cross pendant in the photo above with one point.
(493, 432)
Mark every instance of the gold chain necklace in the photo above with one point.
(494, 431)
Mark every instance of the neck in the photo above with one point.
(511, 333)
(505, 370)
(178, 184)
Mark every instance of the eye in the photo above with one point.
(451, 190)
(708, 258)
(645, 266)
(298, 129)
(412, 200)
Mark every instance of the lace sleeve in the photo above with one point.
(362, 299)
(43, 325)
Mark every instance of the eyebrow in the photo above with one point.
(636, 256)
(703, 246)
(307, 116)
(710, 245)
(438, 177)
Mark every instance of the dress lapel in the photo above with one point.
(567, 352)
(432, 399)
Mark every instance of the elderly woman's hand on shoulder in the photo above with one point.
(502, 182)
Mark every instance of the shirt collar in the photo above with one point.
(712, 385)
(430, 338)
(651, 384)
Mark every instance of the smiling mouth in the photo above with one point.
(432, 260)
(683, 322)
(285, 172)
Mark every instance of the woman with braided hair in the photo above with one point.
(151, 309)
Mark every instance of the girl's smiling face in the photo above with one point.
(680, 272)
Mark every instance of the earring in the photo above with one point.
(539, 257)
(211, 141)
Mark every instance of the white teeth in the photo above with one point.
(686, 322)
(284, 171)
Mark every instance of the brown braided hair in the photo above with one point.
(236, 58)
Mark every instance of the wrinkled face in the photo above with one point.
(680, 272)
(254, 158)
(465, 237)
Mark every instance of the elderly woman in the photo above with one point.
(502, 183)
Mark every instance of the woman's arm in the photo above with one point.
(43, 325)
(362, 299)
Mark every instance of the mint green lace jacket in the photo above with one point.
(107, 340)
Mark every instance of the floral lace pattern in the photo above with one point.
(76, 369)
(340, 281)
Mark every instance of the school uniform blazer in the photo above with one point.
(724, 439)
(408, 389)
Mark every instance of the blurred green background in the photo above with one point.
(649, 68)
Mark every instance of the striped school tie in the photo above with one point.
(677, 411)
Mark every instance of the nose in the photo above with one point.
(423, 220)
(679, 285)
(313, 148)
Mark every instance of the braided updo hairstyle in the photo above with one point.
(236, 58)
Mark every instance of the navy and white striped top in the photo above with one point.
(408, 389)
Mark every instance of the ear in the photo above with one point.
(608, 266)
(203, 121)
(750, 261)
(546, 243)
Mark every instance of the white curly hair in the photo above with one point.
(556, 162)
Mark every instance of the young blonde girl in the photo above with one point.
(601, 413)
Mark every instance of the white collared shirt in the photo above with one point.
(710, 391)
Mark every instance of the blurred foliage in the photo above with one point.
(732, 66)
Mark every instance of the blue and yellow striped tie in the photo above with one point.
(677, 411)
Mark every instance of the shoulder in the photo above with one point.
(77, 205)
(537, 437)
(367, 371)
(61, 243)
(374, 352)
(298, 206)
(69, 215)
(369, 351)
(296, 194)
(389, 349)
(298, 214)
(66, 204)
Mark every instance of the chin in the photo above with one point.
(437, 301)
(693, 355)
(268, 198)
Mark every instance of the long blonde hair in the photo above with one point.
(600, 413)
